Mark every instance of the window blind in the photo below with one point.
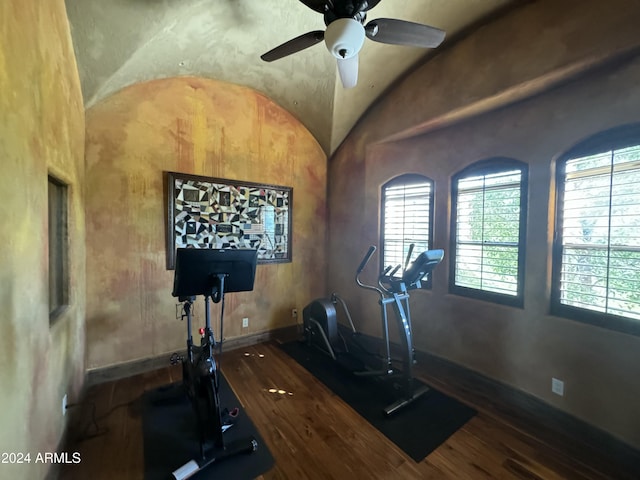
(488, 231)
(600, 232)
(406, 220)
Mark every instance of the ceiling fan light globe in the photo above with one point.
(344, 37)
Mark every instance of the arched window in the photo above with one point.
(596, 258)
(407, 218)
(489, 208)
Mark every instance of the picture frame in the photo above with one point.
(210, 212)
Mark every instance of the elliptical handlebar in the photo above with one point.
(361, 267)
(408, 259)
(393, 272)
(411, 274)
(387, 280)
(366, 259)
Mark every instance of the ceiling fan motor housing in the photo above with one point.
(344, 37)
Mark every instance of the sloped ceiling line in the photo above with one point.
(121, 43)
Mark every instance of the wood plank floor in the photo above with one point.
(312, 434)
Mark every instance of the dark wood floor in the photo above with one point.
(312, 434)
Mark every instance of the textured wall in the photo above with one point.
(41, 131)
(520, 347)
(122, 43)
(203, 127)
(126, 42)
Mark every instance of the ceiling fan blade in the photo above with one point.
(348, 69)
(295, 45)
(317, 5)
(402, 32)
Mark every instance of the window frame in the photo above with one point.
(613, 139)
(487, 167)
(58, 247)
(407, 179)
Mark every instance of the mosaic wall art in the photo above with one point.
(209, 212)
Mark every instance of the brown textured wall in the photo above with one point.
(203, 127)
(520, 347)
(41, 132)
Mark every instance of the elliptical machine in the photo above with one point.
(351, 349)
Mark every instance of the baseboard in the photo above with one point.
(527, 413)
(135, 367)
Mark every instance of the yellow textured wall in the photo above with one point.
(41, 132)
(195, 126)
(525, 347)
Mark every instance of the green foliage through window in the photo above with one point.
(600, 233)
(487, 232)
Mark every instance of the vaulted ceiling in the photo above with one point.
(122, 42)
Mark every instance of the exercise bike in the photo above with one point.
(210, 273)
(353, 350)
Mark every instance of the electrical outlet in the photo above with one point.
(245, 322)
(64, 405)
(557, 386)
(294, 313)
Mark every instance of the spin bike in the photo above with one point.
(353, 350)
(210, 273)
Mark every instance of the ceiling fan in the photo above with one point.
(346, 32)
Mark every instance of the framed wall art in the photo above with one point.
(206, 212)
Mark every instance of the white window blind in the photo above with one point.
(600, 232)
(488, 231)
(406, 220)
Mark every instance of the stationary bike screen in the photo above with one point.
(196, 269)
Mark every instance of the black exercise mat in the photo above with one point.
(418, 429)
(171, 437)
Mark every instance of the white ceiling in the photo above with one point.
(121, 42)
